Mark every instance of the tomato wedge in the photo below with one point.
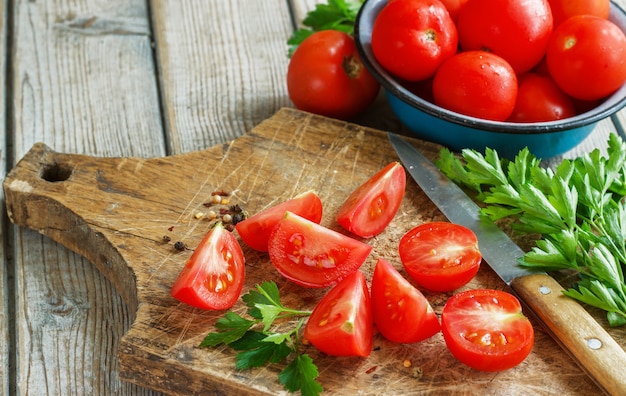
(372, 206)
(401, 312)
(440, 256)
(213, 276)
(486, 330)
(255, 230)
(312, 255)
(341, 323)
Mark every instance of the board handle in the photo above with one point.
(597, 353)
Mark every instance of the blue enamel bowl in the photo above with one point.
(457, 131)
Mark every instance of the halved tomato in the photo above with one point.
(486, 330)
(440, 256)
(214, 274)
(372, 206)
(401, 312)
(256, 229)
(341, 323)
(312, 255)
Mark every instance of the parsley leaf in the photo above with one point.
(579, 210)
(300, 375)
(334, 15)
(259, 347)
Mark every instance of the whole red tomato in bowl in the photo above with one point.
(411, 38)
(457, 131)
(326, 76)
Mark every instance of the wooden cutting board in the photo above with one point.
(120, 212)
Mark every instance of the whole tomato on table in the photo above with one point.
(326, 76)
(411, 38)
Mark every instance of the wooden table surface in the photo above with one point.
(125, 78)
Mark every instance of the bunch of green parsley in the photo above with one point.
(579, 210)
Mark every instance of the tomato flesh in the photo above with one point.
(213, 276)
(440, 256)
(312, 255)
(372, 206)
(401, 312)
(256, 229)
(341, 323)
(486, 330)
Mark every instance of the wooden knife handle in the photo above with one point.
(575, 330)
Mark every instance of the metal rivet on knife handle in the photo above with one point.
(578, 332)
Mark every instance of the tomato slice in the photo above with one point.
(341, 323)
(213, 276)
(312, 255)
(440, 256)
(255, 230)
(401, 312)
(372, 206)
(486, 330)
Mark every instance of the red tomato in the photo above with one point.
(454, 7)
(411, 38)
(401, 312)
(213, 276)
(486, 330)
(312, 255)
(587, 57)
(516, 30)
(440, 256)
(326, 76)
(341, 323)
(255, 230)
(372, 206)
(563, 9)
(478, 84)
(540, 99)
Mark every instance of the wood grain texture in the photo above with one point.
(83, 81)
(5, 293)
(223, 70)
(110, 211)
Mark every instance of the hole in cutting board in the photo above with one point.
(56, 172)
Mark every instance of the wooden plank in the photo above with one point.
(83, 81)
(5, 293)
(222, 71)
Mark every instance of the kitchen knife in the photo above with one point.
(597, 353)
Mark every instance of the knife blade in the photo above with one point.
(595, 351)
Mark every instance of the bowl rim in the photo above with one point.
(362, 37)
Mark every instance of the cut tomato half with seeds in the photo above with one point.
(214, 274)
(312, 255)
(372, 206)
(486, 330)
(341, 323)
(440, 256)
(401, 312)
(256, 229)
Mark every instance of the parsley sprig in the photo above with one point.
(578, 209)
(257, 345)
(333, 15)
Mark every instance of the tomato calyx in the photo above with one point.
(352, 66)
